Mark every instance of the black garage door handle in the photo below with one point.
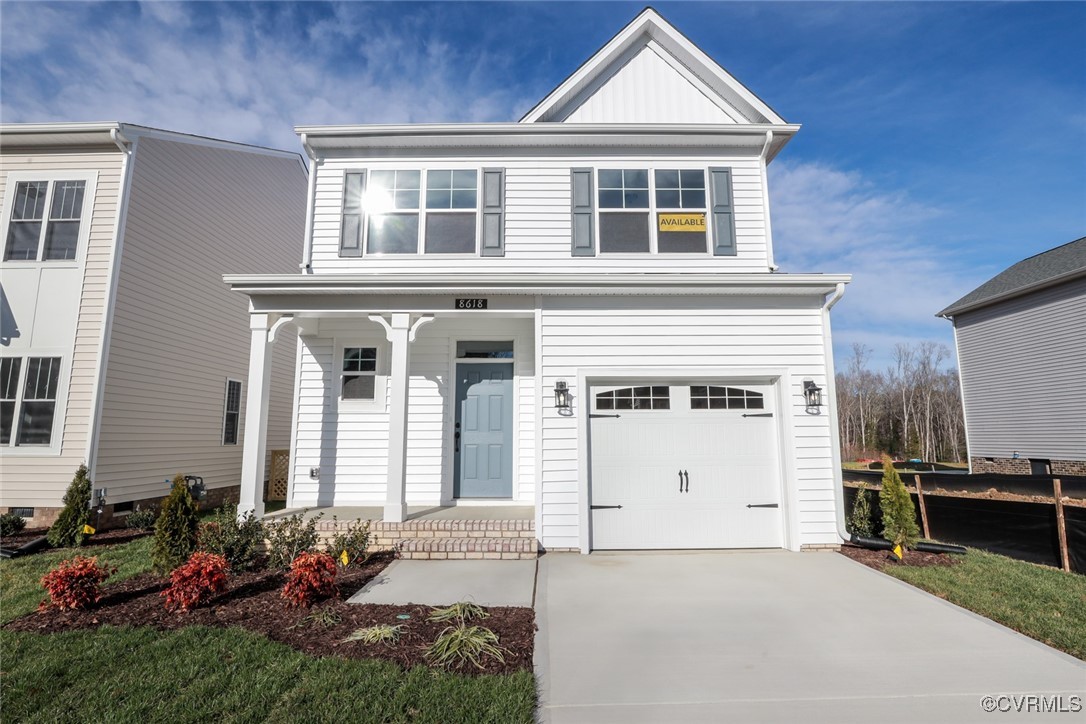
(763, 505)
(603, 507)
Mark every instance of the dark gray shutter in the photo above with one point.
(723, 213)
(493, 212)
(584, 238)
(350, 234)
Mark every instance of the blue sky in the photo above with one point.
(942, 142)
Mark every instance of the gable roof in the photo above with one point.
(1043, 270)
(650, 39)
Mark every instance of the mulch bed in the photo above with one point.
(253, 602)
(883, 559)
(104, 538)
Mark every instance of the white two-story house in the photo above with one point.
(119, 346)
(577, 315)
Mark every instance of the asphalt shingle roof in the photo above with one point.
(1063, 261)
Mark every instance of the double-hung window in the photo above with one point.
(231, 417)
(624, 210)
(44, 220)
(359, 381)
(28, 400)
(414, 211)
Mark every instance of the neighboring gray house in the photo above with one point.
(1021, 340)
(120, 347)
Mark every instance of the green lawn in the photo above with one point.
(1042, 603)
(198, 673)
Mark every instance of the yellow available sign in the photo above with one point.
(681, 222)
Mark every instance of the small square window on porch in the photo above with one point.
(359, 373)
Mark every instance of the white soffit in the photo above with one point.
(600, 88)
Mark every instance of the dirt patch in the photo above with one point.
(105, 538)
(253, 602)
(883, 559)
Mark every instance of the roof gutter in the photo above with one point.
(835, 429)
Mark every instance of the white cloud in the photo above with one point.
(829, 220)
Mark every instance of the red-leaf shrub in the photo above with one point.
(312, 576)
(195, 581)
(76, 583)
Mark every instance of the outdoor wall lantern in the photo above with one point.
(812, 394)
(561, 396)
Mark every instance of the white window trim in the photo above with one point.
(380, 376)
(652, 211)
(60, 409)
(422, 211)
(241, 406)
(11, 182)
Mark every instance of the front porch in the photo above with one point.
(505, 532)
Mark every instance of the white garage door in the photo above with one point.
(693, 465)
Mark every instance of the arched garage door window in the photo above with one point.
(711, 397)
(635, 398)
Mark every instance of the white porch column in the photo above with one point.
(400, 333)
(256, 415)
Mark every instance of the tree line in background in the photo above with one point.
(913, 409)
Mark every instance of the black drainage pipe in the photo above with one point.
(24, 549)
(881, 544)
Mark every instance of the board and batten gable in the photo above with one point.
(701, 336)
(1023, 374)
(58, 308)
(538, 224)
(195, 212)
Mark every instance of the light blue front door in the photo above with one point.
(483, 435)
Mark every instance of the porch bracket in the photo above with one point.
(384, 323)
(274, 330)
(423, 320)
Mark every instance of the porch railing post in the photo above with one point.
(396, 494)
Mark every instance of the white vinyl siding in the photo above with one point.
(537, 220)
(195, 213)
(1023, 371)
(74, 293)
(686, 332)
(349, 443)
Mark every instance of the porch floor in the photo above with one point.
(453, 512)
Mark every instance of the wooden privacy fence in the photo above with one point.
(1036, 518)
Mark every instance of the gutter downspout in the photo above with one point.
(765, 200)
(128, 148)
(835, 430)
(307, 252)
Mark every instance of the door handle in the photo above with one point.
(680, 481)
(456, 439)
(687, 475)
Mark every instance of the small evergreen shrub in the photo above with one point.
(10, 524)
(354, 541)
(312, 576)
(898, 515)
(195, 581)
(140, 519)
(859, 521)
(289, 537)
(462, 644)
(67, 531)
(75, 584)
(175, 530)
(236, 541)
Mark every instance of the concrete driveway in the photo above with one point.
(772, 637)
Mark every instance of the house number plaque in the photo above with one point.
(471, 303)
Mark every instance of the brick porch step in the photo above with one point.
(477, 548)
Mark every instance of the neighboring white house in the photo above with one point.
(1021, 339)
(119, 346)
(578, 314)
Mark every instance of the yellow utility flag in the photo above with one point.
(898, 552)
(344, 558)
(88, 530)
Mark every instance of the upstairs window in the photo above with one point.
(359, 380)
(624, 215)
(433, 211)
(44, 220)
(680, 211)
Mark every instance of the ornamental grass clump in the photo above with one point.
(859, 520)
(312, 576)
(235, 540)
(175, 530)
(461, 644)
(461, 612)
(75, 584)
(382, 633)
(202, 576)
(898, 515)
(68, 530)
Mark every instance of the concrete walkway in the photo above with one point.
(439, 583)
(772, 637)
